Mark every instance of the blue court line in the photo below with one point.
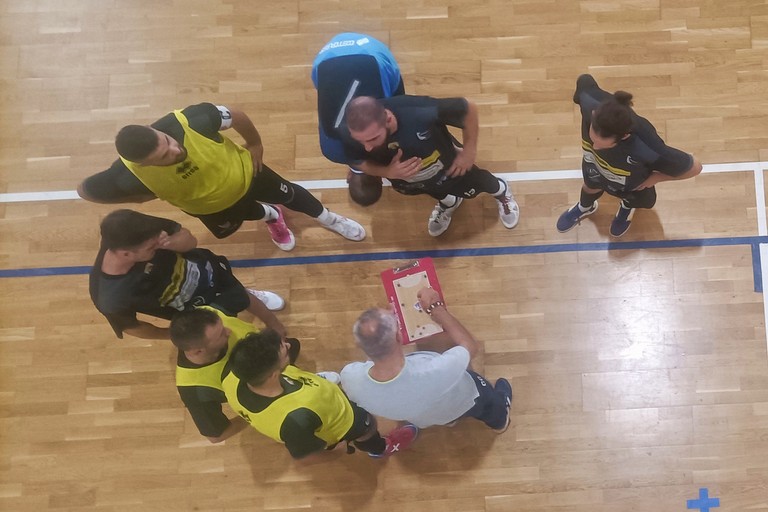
(757, 273)
(752, 241)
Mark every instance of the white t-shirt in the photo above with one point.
(431, 389)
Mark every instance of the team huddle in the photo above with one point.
(152, 266)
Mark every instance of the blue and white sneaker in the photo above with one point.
(622, 220)
(572, 216)
(504, 387)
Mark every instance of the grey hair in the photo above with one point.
(375, 332)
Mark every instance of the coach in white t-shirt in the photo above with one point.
(424, 388)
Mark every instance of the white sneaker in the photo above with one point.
(330, 376)
(273, 301)
(509, 211)
(440, 218)
(347, 228)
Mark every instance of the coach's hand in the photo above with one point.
(427, 297)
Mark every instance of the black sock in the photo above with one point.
(375, 445)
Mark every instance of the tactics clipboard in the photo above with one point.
(402, 284)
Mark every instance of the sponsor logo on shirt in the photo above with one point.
(424, 135)
(632, 161)
(244, 415)
(339, 44)
(186, 169)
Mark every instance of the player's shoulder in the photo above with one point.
(354, 370)
(412, 107)
(204, 108)
(409, 99)
(645, 133)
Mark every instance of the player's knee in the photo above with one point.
(363, 189)
(82, 192)
(645, 199)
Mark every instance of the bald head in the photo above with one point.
(363, 111)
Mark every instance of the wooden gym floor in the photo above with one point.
(639, 367)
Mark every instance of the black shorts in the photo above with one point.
(645, 198)
(362, 423)
(226, 293)
(471, 184)
(267, 186)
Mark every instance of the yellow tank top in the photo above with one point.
(210, 375)
(316, 394)
(213, 177)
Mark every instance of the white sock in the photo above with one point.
(453, 199)
(326, 218)
(271, 213)
(583, 209)
(502, 189)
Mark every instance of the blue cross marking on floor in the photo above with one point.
(704, 503)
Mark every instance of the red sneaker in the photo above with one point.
(278, 230)
(399, 439)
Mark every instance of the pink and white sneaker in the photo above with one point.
(398, 440)
(279, 232)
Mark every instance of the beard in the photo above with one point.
(383, 153)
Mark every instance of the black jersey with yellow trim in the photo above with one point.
(631, 161)
(422, 132)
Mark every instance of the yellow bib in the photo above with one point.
(316, 394)
(210, 375)
(213, 177)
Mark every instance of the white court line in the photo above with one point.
(760, 201)
(764, 272)
(20, 197)
(761, 229)
(756, 167)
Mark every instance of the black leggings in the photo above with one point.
(363, 425)
(268, 187)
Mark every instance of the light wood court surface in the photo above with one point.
(640, 376)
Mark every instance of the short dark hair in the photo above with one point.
(362, 111)
(188, 327)
(364, 189)
(136, 142)
(613, 117)
(126, 229)
(256, 356)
